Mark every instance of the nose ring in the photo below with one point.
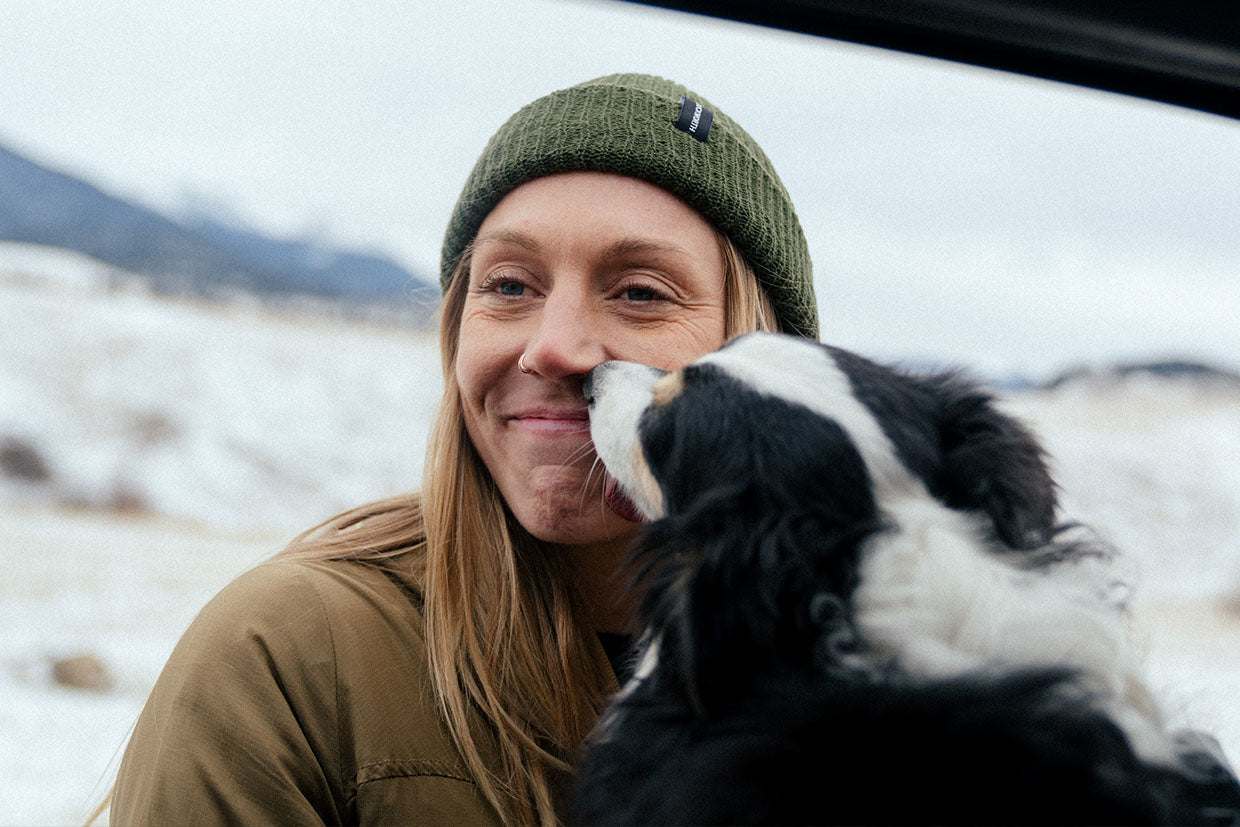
(521, 364)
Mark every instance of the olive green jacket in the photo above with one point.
(299, 695)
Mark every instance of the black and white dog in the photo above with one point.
(860, 608)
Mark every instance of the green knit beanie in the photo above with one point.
(650, 128)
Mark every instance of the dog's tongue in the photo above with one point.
(618, 502)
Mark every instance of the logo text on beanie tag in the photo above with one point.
(694, 119)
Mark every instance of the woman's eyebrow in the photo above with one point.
(514, 237)
(618, 249)
(631, 246)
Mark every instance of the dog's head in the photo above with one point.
(763, 468)
(783, 417)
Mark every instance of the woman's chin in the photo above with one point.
(564, 505)
(597, 526)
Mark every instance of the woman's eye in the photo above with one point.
(640, 294)
(511, 288)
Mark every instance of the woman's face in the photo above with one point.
(572, 270)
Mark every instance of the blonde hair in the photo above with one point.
(514, 660)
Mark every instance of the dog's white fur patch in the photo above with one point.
(935, 597)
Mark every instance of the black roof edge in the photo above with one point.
(1185, 53)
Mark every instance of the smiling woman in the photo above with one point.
(568, 271)
(440, 657)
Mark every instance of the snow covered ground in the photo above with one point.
(152, 449)
(231, 416)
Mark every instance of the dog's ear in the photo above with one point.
(993, 464)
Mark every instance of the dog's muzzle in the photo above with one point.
(618, 393)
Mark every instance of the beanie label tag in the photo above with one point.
(694, 119)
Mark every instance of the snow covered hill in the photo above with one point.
(196, 253)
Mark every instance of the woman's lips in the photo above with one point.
(553, 421)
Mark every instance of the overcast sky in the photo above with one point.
(954, 214)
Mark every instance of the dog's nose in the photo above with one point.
(588, 388)
(630, 370)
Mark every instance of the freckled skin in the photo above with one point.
(573, 270)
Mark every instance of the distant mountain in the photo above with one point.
(199, 256)
(1171, 369)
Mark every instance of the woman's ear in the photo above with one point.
(993, 464)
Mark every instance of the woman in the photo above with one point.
(440, 657)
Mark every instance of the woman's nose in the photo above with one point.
(567, 341)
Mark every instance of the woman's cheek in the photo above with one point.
(481, 349)
(677, 345)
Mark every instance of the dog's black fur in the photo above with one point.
(763, 701)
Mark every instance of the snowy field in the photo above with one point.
(152, 449)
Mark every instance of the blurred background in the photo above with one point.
(219, 235)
